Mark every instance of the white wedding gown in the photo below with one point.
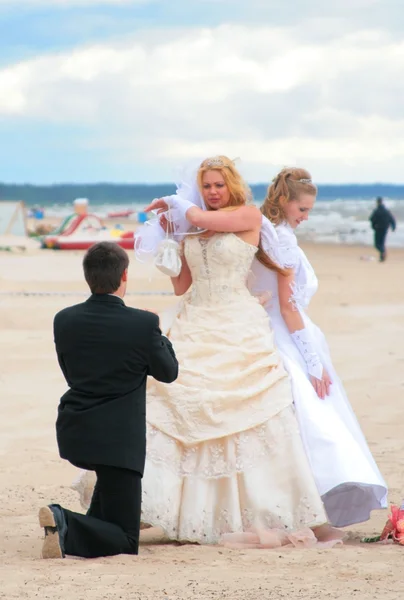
(224, 452)
(346, 474)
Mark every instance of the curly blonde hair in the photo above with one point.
(240, 193)
(286, 186)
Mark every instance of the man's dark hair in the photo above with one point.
(104, 264)
(379, 201)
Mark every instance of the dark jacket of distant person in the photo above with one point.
(381, 218)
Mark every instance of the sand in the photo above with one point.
(360, 307)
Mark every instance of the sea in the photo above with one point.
(340, 216)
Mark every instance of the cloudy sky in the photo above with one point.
(127, 90)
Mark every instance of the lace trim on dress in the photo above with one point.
(214, 468)
(162, 516)
(300, 297)
(220, 458)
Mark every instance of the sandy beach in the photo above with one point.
(360, 308)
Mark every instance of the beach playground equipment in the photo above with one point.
(81, 230)
(13, 227)
(12, 218)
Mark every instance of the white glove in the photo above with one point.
(177, 207)
(310, 356)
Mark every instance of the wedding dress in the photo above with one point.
(224, 452)
(346, 474)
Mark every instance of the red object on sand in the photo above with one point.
(120, 213)
(394, 527)
(66, 244)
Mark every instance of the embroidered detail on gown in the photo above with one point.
(224, 453)
(225, 350)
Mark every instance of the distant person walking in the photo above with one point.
(381, 219)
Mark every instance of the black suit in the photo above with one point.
(106, 350)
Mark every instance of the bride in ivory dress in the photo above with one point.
(225, 460)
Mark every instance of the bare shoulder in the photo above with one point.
(252, 213)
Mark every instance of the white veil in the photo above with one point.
(149, 236)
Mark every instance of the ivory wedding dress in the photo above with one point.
(224, 452)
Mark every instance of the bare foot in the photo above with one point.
(327, 533)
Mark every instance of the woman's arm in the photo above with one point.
(182, 283)
(245, 218)
(289, 312)
(295, 324)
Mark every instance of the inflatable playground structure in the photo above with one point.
(80, 231)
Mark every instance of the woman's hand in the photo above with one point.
(161, 206)
(158, 204)
(165, 224)
(322, 386)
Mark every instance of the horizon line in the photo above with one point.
(166, 183)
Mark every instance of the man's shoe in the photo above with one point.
(53, 520)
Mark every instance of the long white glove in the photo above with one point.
(178, 207)
(151, 234)
(305, 346)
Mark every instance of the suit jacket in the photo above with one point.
(106, 350)
(381, 218)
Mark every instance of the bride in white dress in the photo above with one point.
(346, 474)
(224, 452)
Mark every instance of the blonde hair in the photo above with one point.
(286, 186)
(240, 194)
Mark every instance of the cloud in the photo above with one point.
(272, 95)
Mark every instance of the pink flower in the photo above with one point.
(400, 538)
(394, 527)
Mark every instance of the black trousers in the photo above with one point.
(380, 241)
(112, 523)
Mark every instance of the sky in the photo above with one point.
(130, 90)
